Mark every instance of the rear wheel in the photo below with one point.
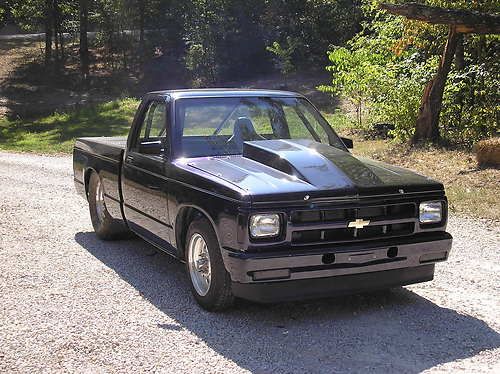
(105, 226)
(210, 282)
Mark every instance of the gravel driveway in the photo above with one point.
(70, 302)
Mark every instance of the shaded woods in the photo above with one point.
(216, 40)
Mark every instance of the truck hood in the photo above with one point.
(294, 168)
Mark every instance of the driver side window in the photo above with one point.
(153, 125)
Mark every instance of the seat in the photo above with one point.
(244, 131)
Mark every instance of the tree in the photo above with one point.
(48, 22)
(284, 55)
(460, 22)
(84, 46)
(355, 77)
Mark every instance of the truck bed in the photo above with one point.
(109, 147)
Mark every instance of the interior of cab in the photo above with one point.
(220, 126)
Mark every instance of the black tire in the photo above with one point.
(105, 226)
(219, 295)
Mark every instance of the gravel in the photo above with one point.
(70, 302)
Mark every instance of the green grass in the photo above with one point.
(57, 132)
(339, 121)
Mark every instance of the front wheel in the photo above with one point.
(105, 226)
(210, 282)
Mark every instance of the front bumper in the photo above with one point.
(348, 269)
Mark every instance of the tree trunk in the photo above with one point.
(142, 9)
(61, 44)
(427, 126)
(48, 31)
(84, 45)
(460, 66)
(55, 19)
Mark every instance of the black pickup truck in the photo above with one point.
(261, 199)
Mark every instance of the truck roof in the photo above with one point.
(224, 92)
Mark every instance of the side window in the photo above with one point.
(153, 128)
(153, 125)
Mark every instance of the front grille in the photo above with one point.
(394, 211)
(351, 234)
(331, 225)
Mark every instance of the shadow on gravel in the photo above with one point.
(387, 331)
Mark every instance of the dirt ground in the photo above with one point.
(12, 55)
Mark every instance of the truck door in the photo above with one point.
(144, 185)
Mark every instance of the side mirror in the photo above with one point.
(151, 147)
(347, 142)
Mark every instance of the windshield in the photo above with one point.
(220, 126)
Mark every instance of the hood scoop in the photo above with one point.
(270, 153)
(300, 159)
(323, 166)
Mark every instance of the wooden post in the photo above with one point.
(427, 125)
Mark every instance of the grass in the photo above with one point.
(57, 132)
(471, 191)
(339, 121)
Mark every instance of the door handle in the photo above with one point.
(129, 158)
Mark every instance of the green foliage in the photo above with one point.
(355, 77)
(200, 62)
(471, 103)
(283, 55)
(339, 121)
(383, 71)
(28, 13)
(219, 40)
(379, 63)
(2, 16)
(312, 24)
(398, 96)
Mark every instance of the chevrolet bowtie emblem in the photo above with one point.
(359, 223)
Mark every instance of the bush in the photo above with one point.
(356, 76)
(283, 55)
(471, 108)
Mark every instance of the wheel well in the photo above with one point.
(86, 180)
(185, 216)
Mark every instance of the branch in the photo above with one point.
(465, 21)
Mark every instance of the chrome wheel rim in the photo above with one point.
(200, 270)
(99, 202)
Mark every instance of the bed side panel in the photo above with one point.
(104, 156)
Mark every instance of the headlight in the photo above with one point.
(431, 212)
(264, 225)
